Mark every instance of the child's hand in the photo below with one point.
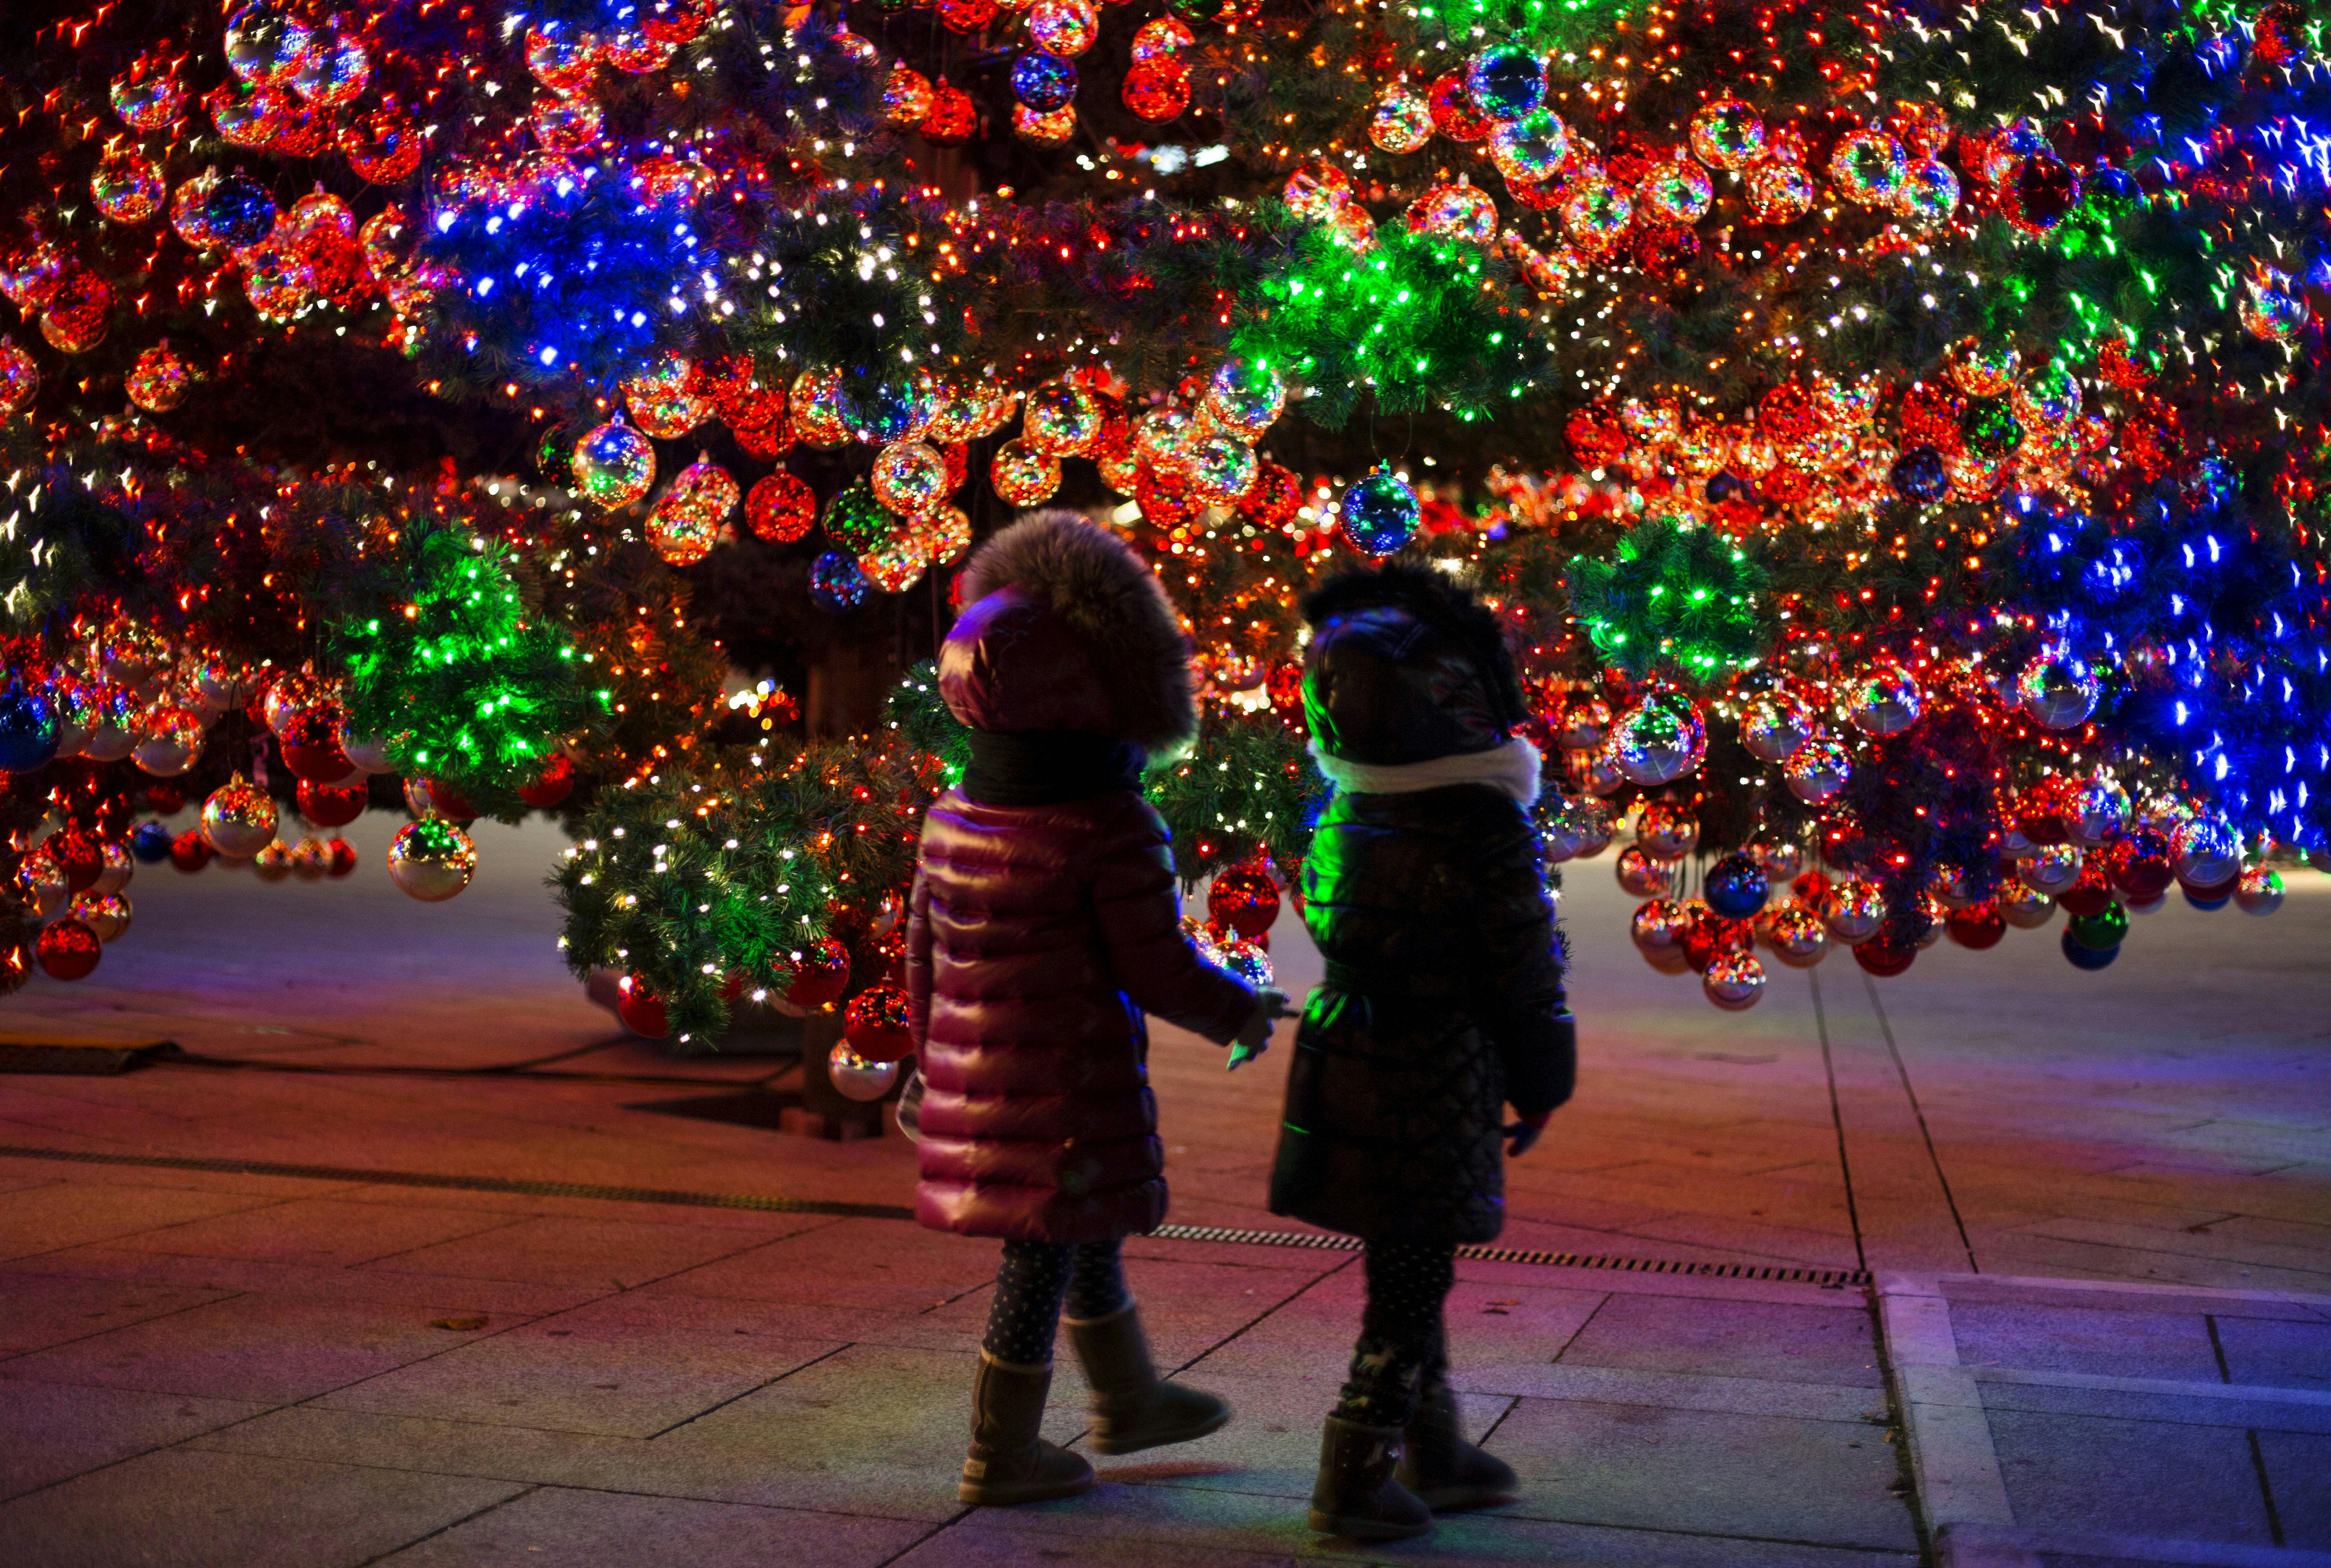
(1269, 1006)
(1521, 1135)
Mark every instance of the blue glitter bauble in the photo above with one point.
(1919, 475)
(28, 731)
(1506, 83)
(1736, 887)
(1043, 81)
(150, 842)
(2090, 958)
(836, 583)
(238, 211)
(1379, 514)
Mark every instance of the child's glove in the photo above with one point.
(1254, 1039)
(1521, 1135)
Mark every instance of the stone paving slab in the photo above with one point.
(569, 1525)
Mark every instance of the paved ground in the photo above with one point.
(209, 1366)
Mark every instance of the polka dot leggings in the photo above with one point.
(1035, 1279)
(1403, 1347)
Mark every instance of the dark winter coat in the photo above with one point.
(1443, 999)
(1039, 934)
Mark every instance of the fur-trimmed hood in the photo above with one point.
(1406, 664)
(1065, 627)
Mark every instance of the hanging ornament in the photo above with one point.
(1666, 831)
(1773, 727)
(1506, 82)
(2206, 851)
(1676, 191)
(1532, 148)
(553, 784)
(1222, 471)
(1643, 875)
(894, 409)
(1045, 83)
(835, 582)
(1883, 700)
(966, 16)
(1659, 740)
(686, 522)
(1162, 37)
(1023, 475)
(147, 96)
(1064, 27)
(1454, 113)
(906, 98)
(1059, 418)
(1871, 167)
(238, 819)
(1379, 514)
(172, 740)
(858, 1077)
(249, 118)
(1403, 121)
(1156, 89)
(953, 119)
(157, 382)
(2097, 812)
(613, 465)
(877, 1024)
(1244, 899)
(1797, 937)
(1818, 770)
(780, 508)
(20, 377)
(2260, 891)
(855, 520)
(1735, 887)
(1779, 192)
(1043, 129)
(328, 806)
(2050, 869)
(1726, 135)
(1734, 981)
(68, 949)
(335, 72)
(79, 312)
(127, 187)
(1854, 909)
(1930, 193)
(2023, 906)
(2057, 689)
(1596, 213)
(431, 860)
(268, 42)
(1245, 397)
(663, 402)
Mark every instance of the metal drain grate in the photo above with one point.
(1311, 1240)
(1832, 1278)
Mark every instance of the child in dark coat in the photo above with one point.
(1045, 923)
(1442, 1004)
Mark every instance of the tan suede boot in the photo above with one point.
(1134, 1408)
(1009, 1462)
(1356, 1496)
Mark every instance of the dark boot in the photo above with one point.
(1009, 1462)
(1356, 1496)
(1134, 1408)
(1447, 1473)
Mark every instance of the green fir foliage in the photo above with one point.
(1672, 597)
(1249, 782)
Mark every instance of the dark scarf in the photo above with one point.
(1045, 767)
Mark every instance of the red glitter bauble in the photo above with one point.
(190, 851)
(1811, 887)
(344, 858)
(1711, 935)
(311, 739)
(640, 1009)
(68, 949)
(966, 16)
(2140, 864)
(79, 856)
(1596, 438)
(1244, 899)
(1884, 957)
(328, 807)
(780, 508)
(953, 119)
(1165, 502)
(1977, 926)
(876, 1023)
(821, 976)
(1786, 414)
(554, 783)
(1157, 90)
(1454, 115)
(2090, 894)
(1274, 499)
(384, 146)
(675, 20)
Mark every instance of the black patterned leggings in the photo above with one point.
(1403, 1348)
(1035, 1279)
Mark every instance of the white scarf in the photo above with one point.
(1511, 768)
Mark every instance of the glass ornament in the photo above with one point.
(315, 212)
(1659, 924)
(2206, 851)
(1162, 36)
(277, 281)
(1774, 727)
(20, 377)
(948, 535)
(855, 521)
(1659, 740)
(614, 465)
(384, 146)
(1378, 514)
(1506, 82)
(661, 403)
(2049, 869)
(1532, 148)
(2260, 891)
(335, 74)
(68, 950)
(686, 522)
(896, 563)
(1163, 439)
(1735, 887)
(127, 188)
(566, 125)
(1156, 91)
(2100, 932)
(1871, 167)
(1316, 190)
(238, 819)
(2040, 194)
(2097, 809)
(147, 96)
(1644, 875)
(2272, 310)
(1045, 83)
(1779, 192)
(1666, 830)
(1059, 418)
(1353, 228)
(1221, 470)
(28, 728)
(1676, 191)
(105, 913)
(893, 409)
(1023, 475)
(1734, 981)
(910, 478)
(1403, 121)
(1919, 476)
(1883, 700)
(2048, 398)
(431, 860)
(1819, 770)
(1456, 212)
(1854, 909)
(562, 58)
(1596, 213)
(1929, 192)
(858, 1077)
(2023, 906)
(1063, 27)
(236, 211)
(1245, 397)
(1454, 113)
(1981, 372)
(816, 403)
(157, 382)
(953, 119)
(835, 582)
(267, 43)
(907, 97)
(1584, 722)
(1726, 135)
(967, 15)
(1797, 938)
(2057, 689)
